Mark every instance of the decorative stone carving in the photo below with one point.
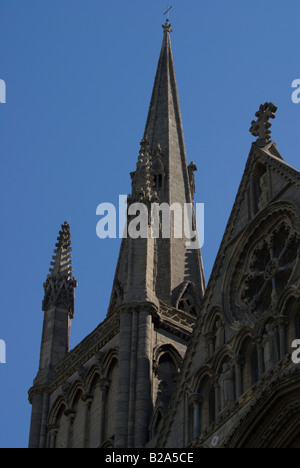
(167, 27)
(142, 178)
(268, 262)
(271, 266)
(158, 169)
(66, 388)
(191, 170)
(187, 299)
(60, 284)
(195, 399)
(59, 292)
(187, 303)
(261, 127)
(163, 392)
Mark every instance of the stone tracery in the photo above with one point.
(266, 265)
(271, 265)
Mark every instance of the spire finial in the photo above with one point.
(167, 25)
(167, 12)
(261, 127)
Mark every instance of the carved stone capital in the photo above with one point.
(239, 360)
(65, 388)
(87, 398)
(195, 399)
(282, 321)
(99, 356)
(104, 384)
(52, 429)
(70, 414)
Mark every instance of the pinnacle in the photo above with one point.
(61, 264)
(142, 178)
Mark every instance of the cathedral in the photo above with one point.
(178, 363)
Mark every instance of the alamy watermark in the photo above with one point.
(296, 93)
(2, 352)
(2, 342)
(139, 220)
(296, 353)
(2, 92)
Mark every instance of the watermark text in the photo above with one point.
(163, 221)
(296, 353)
(296, 93)
(2, 92)
(2, 352)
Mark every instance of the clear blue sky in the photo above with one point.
(79, 76)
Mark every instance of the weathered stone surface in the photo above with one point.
(175, 365)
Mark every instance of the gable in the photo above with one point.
(266, 179)
(258, 263)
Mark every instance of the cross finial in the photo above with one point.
(261, 127)
(167, 27)
(167, 12)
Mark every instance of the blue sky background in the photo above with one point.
(79, 76)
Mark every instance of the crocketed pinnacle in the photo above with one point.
(142, 178)
(62, 263)
(60, 283)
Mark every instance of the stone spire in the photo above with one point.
(174, 179)
(58, 307)
(60, 284)
(163, 176)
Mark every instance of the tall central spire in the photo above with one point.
(176, 269)
(164, 101)
(164, 130)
